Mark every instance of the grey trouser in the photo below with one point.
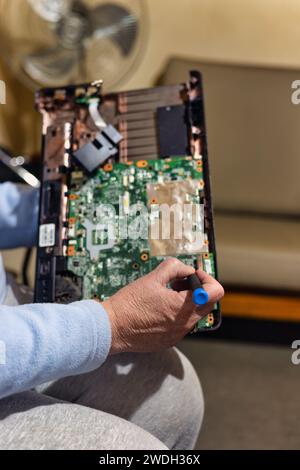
(143, 401)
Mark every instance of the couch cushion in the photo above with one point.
(253, 135)
(258, 252)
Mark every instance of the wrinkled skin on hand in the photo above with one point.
(148, 316)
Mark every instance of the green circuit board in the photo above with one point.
(104, 266)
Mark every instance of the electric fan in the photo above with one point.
(55, 42)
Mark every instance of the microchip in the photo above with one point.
(96, 152)
(172, 131)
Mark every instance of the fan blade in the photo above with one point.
(117, 23)
(51, 10)
(52, 67)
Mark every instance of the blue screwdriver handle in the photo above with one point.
(200, 296)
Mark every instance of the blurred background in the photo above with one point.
(248, 52)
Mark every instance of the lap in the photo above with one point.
(159, 392)
(31, 420)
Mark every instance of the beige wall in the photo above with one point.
(19, 122)
(258, 32)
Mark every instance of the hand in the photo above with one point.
(148, 316)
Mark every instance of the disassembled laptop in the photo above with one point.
(145, 147)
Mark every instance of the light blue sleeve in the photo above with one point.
(44, 342)
(18, 215)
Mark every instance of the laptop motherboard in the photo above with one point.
(109, 163)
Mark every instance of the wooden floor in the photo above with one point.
(259, 306)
